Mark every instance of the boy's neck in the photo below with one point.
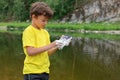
(35, 26)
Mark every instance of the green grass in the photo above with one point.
(88, 35)
(85, 26)
(15, 24)
(69, 26)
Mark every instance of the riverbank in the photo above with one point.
(105, 28)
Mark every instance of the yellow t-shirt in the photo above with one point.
(36, 38)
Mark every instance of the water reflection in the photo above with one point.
(84, 59)
(103, 50)
(87, 59)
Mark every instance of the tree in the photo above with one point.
(6, 8)
(64, 7)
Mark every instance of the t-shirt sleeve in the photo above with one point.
(28, 39)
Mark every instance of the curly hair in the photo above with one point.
(41, 8)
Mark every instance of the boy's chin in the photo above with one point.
(43, 27)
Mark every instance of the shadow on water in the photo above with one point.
(84, 59)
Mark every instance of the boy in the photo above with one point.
(36, 43)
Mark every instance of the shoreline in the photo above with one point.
(5, 28)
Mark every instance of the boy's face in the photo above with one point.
(39, 21)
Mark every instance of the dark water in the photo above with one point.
(84, 59)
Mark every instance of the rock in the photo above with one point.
(97, 11)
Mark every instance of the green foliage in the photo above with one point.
(6, 9)
(21, 9)
(18, 10)
(64, 7)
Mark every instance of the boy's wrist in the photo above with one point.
(54, 44)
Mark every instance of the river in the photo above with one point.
(84, 59)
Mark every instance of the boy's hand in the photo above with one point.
(59, 44)
(63, 41)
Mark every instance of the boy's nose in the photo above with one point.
(45, 23)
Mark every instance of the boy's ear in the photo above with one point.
(33, 16)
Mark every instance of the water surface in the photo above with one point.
(84, 59)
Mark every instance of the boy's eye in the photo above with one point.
(44, 20)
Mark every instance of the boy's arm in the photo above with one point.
(51, 51)
(33, 51)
